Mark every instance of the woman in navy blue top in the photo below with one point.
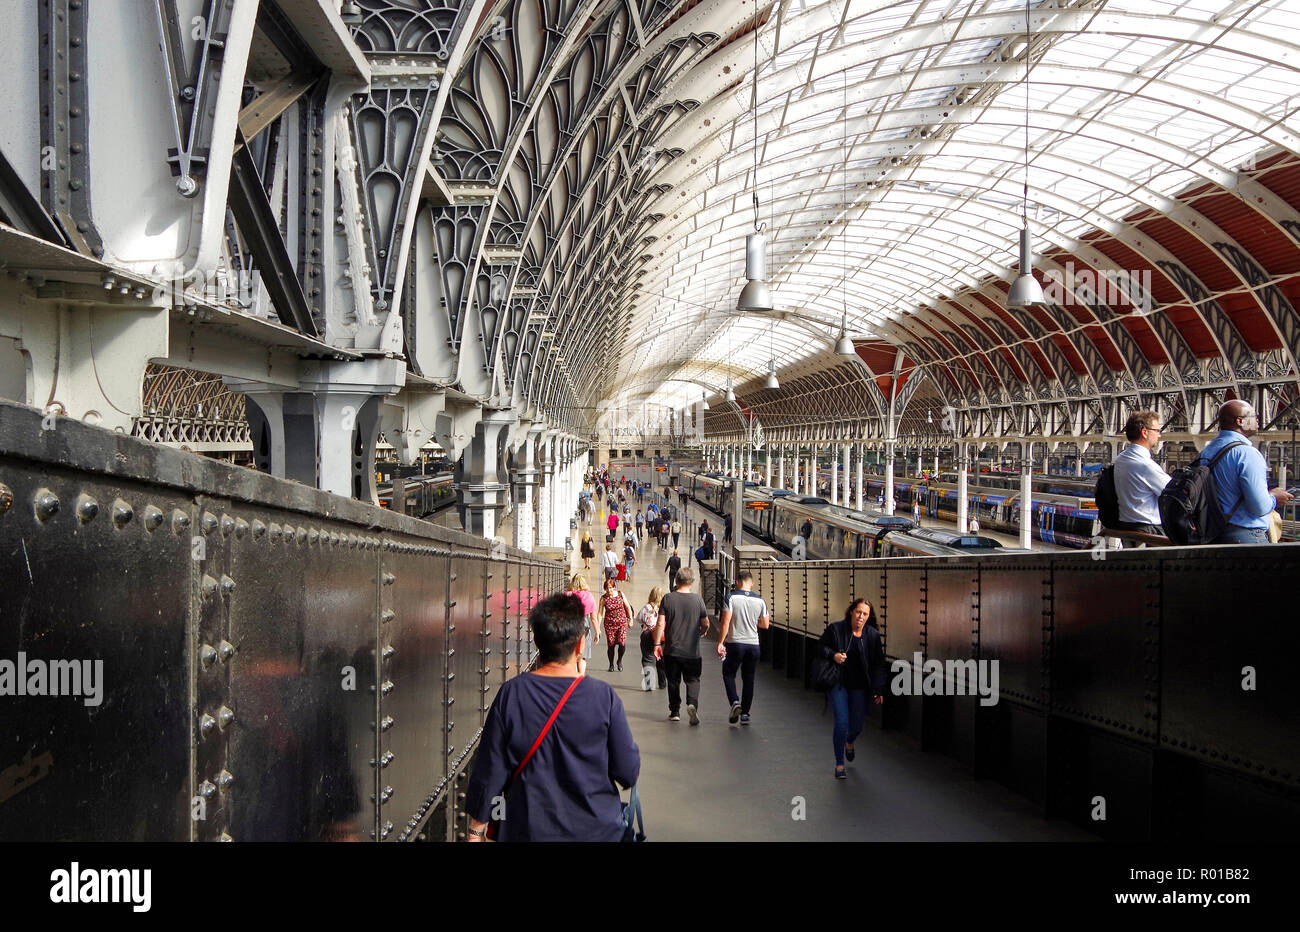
(569, 790)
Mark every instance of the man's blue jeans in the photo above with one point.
(742, 657)
(850, 708)
(1233, 534)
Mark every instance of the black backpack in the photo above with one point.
(1107, 498)
(1189, 505)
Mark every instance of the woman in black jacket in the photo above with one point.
(854, 644)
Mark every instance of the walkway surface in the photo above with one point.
(721, 782)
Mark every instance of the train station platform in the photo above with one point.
(773, 780)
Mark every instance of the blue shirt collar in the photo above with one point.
(1232, 435)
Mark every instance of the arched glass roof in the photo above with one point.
(890, 140)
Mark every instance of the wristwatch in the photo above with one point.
(480, 833)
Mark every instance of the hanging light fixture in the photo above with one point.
(704, 400)
(844, 346)
(755, 296)
(772, 382)
(731, 394)
(1025, 290)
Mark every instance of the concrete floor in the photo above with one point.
(721, 782)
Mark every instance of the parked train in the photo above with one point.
(1067, 520)
(1064, 520)
(831, 532)
(933, 541)
(425, 495)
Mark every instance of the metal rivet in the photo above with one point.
(227, 585)
(153, 518)
(208, 521)
(275, 531)
(208, 585)
(122, 513)
(389, 579)
(224, 837)
(389, 651)
(224, 717)
(225, 778)
(207, 655)
(6, 498)
(206, 724)
(227, 525)
(180, 521)
(387, 615)
(207, 790)
(386, 724)
(259, 530)
(47, 505)
(313, 536)
(87, 508)
(387, 687)
(225, 650)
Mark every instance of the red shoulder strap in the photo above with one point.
(545, 729)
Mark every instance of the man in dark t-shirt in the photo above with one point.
(683, 618)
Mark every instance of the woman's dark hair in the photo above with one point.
(558, 622)
(871, 619)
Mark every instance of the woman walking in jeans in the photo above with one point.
(854, 644)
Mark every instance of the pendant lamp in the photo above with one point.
(1025, 290)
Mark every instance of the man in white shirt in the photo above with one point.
(609, 560)
(1139, 480)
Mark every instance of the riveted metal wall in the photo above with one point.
(278, 663)
(1156, 685)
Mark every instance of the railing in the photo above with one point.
(1142, 693)
(274, 662)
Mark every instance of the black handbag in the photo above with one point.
(826, 673)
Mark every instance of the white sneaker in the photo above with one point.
(695, 719)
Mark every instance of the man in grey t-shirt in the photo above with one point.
(683, 617)
(742, 615)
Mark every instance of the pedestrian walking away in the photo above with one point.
(854, 645)
(612, 524)
(744, 614)
(570, 790)
(614, 615)
(587, 550)
(676, 528)
(652, 668)
(683, 618)
(672, 568)
(578, 587)
(609, 561)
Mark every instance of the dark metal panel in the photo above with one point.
(303, 750)
(951, 590)
(1105, 645)
(102, 575)
(412, 710)
(905, 607)
(1012, 626)
(1206, 709)
(839, 593)
(464, 642)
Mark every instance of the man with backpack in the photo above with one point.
(1139, 480)
(1241, 477)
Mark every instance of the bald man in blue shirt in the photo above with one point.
(1242, 477)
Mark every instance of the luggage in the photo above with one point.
(622, 571)
(1189, 505)
(1107, 498)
